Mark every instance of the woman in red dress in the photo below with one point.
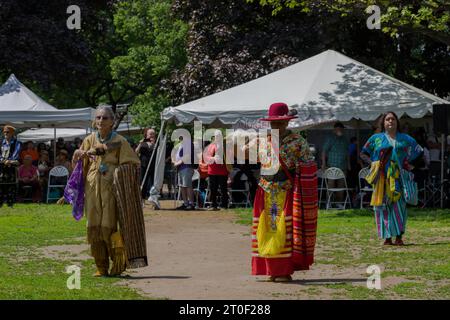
(285, 207)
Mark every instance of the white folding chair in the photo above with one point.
(207, 201)
(322, 187)
(245, 192)
(196, 181)
(336, 174)
(363, 190)
(56, 172)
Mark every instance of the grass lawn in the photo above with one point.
(28, 273)
(347, 240)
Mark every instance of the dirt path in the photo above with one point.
(205, 255)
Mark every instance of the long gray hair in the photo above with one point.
(109, 111)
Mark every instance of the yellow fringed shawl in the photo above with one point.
(383, 185)
(271, 242)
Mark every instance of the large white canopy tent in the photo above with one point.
(20, 107)
(46, 134)
(327, 87)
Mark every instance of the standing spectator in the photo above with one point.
(169, 170)
(355, 166)
(29, 177)
(60, 145)
(185, 172)
(335, 154)
(31, 151)
(247, 168)
(434, 148)
(217, 172)
(203, 172)
(10, 147)
(145, 150)
(421, 169)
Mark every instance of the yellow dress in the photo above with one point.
(100, 202)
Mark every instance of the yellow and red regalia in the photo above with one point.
(285, 209)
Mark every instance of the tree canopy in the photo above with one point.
(155, 53)
(427, 17)
(231, 42)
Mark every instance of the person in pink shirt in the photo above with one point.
(217, 171)
(29, 176)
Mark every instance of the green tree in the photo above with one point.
(155, 43)
(426, 17)
(232, 42)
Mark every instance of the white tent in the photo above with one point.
(45, 134)
(21, 107)
(327, 87)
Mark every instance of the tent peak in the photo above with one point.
(12, 84)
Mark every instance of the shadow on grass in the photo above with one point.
(428, 244)
(321, 281)
(327, 281)
(130, 277)
(413, 213)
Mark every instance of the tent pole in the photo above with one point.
(443, 143)
(153, 154)
(358, 137)
(54, 145)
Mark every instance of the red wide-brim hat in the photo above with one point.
(279, 112)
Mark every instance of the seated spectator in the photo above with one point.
(62, 159)
(41, 146)
(43, 168)
(29, 177)
(30, 150)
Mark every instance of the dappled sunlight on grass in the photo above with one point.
(25, 273)
(347, 239)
